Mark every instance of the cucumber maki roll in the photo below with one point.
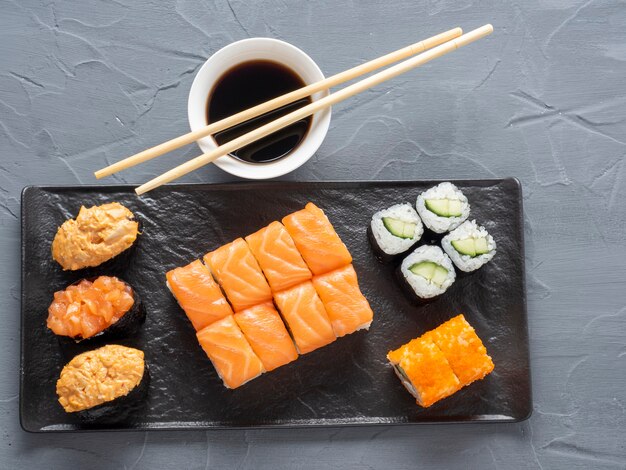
(90, 308)
(106, 382)
(427, 272)
(442, 208)
(395, 230)
(469, 246)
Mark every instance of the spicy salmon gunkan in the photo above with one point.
(102, 382)
(96, 235)
(88, 308)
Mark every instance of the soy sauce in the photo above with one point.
(246, 85)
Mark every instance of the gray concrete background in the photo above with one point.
(85, 83)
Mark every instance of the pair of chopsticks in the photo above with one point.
(427, 50)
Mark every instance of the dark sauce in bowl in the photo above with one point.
(246, 85)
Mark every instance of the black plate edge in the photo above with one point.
(227, 185)
(310, 423)
(24, 194)
(530, 409)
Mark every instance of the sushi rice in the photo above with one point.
(389, 243)
(467, 263)
(423, 288)
(437, 223)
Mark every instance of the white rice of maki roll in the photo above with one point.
(443, 207)
(396, 229)
(469, 246)
(428, 271)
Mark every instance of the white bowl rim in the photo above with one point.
(201, 87)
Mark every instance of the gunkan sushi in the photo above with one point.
(427, 272)
(469, 246)
(442, 208)
(103, 382)
(98, 234)
(395, 230)
(102, 306)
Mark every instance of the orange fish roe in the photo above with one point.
(87, 308)
(441, 361)
(463, 349)
(424, 371)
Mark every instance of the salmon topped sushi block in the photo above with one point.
(424, 371)
(239, 274)
(229, 351)
(266, 333)
(463, 349)
(198, 294)
(306, 317)
(316, 239)
(346, 306)
(282, 264)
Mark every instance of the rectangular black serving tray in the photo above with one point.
(345, 383)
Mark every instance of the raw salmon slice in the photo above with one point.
(306, 317)
(231, 355)
(239, 275)
(278, 257)
(346, 306)
(267, 335)
(198, 294)
(316, 239)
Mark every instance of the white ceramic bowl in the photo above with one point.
(243, 51)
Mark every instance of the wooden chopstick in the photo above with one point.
(279, 101)
(314, 107)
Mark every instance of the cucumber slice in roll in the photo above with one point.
(399, 228)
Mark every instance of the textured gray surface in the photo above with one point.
(84, 83)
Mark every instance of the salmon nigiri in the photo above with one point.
(231, 355)
(316, 239)
(278, 257)
(306, 317)
(266, 333)
(198, 294)
(346, 306)
(239, 274)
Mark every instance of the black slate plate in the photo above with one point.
(345, 383)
